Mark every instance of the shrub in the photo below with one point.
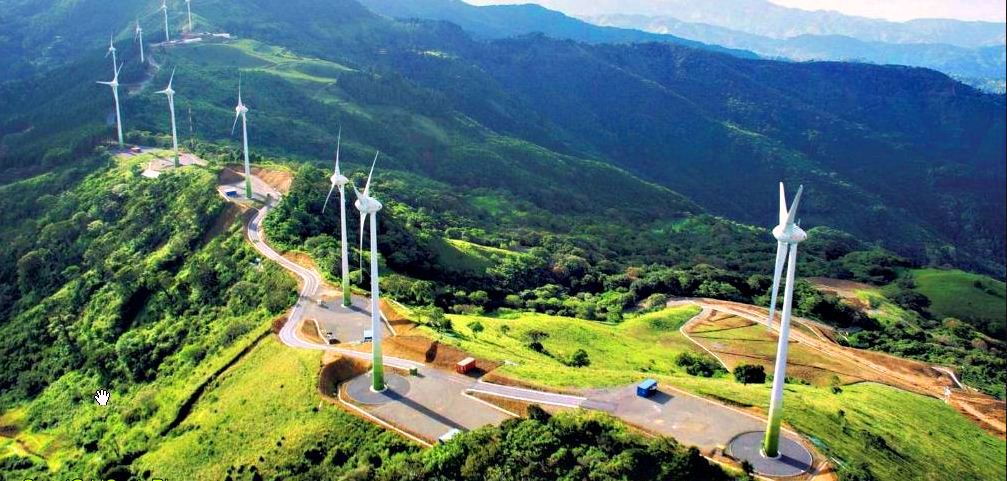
(699, 365)
(750, 374)
(579, 359)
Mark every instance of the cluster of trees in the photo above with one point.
(542, 447)
(113, 276)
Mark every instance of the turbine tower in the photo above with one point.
(164, 8)
(241, 111)
(111, 51)
(788, 234)
(339, 180)
(138, 35)
(115, 94)
(369, 205)
(168, 91)
(188, 9)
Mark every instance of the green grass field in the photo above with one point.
(925, 439)
(969, 297)
(264, 412)
(464, 256)
(619, 354)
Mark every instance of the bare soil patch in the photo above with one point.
(277, 179)
(337, 369)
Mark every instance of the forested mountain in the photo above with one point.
(674, 115)
(500, 21)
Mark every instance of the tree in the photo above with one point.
(579, 359)
(750, 374)
(476, 327)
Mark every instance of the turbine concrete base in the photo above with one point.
(793, 460)
(359, 389)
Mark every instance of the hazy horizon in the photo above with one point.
(891, 10)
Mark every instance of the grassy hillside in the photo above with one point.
(901, 436)
(977, 299)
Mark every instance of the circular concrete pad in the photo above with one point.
(359, 389)
(794, 459)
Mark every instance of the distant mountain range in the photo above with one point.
(761, 17)
(966, 63)
(972, 52)
(502, 21)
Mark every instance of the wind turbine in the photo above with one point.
(111, 51)
(168, 91)
(188, 9)
(115, 94)
(164, 8)
(138, 35)
(788, 234)
(369, 205)
(339, 180)
(242, 111)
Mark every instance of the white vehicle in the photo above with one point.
(448, 435)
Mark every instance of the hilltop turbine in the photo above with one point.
(188, 9)
(168, 91)
(788, 234)
(164, 8)
(339, 180)
(369, 205)
(138, 35)
(111, 51)
(241, 111)
(115, 94)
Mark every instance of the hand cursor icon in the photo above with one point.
(101, 397)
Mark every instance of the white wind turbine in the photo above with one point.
(339, 180)
(164, 8)
(188, 9)
(115, 94)
(170, 93)
(111, 51)
(368, 205)
(242, 111)
(788, 234)
(138, 35)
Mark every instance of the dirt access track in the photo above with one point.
(909, 375)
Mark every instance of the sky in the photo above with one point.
(894, 10)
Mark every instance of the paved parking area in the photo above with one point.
(689, 419)
(431, 405)
(346, 323)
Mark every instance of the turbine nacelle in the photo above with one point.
(790, 234)
(367, 205)
(338, 180)
(787, 231)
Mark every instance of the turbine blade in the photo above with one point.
(339, 141)
(120, 68)
(326, 204)
(367, 186)
(360, 250)
(781, 257)
(793, 207)
(236, 115)
(782, 204)
(172, 79)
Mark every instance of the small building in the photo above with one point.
(647, 388)
(465, 365)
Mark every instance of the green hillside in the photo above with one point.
(962, 295)
(899, 435)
